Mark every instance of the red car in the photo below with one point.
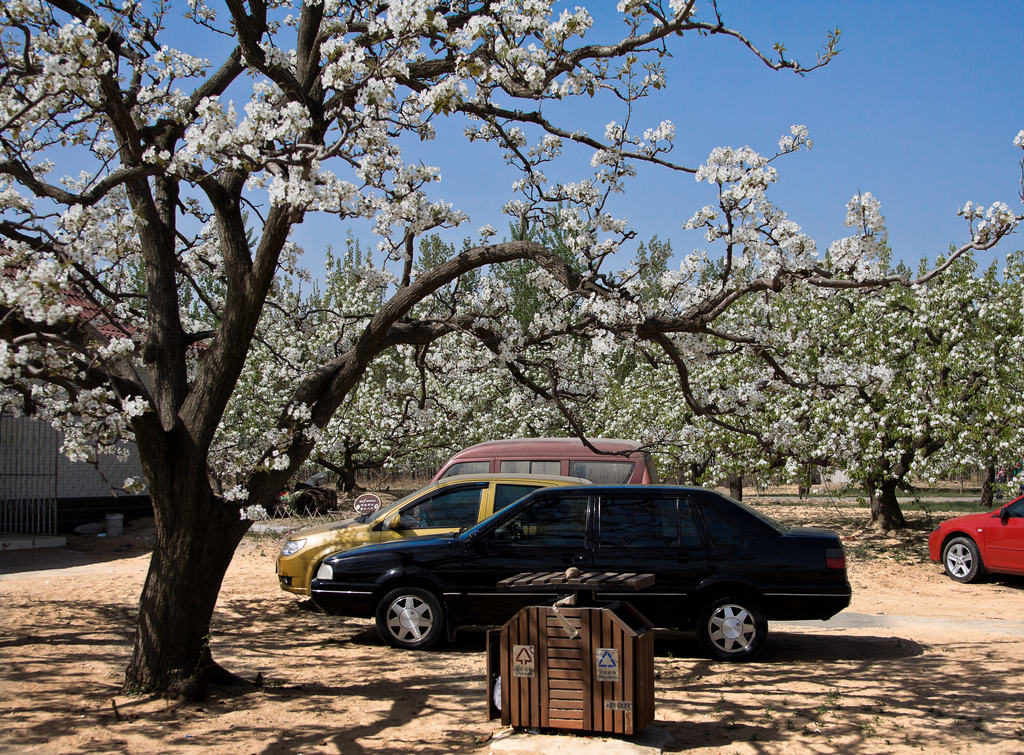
(968, 546)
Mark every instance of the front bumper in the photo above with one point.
(291, 578)
(935, 545)
(355, 603)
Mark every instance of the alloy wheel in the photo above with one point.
(409, 618)
(959, 560)
(732, 628)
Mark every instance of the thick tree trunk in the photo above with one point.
(196, 538)
(988, 484)
(346, 473)
(736, 486)
(348, 476)
(348, 480)
(803, 487)
(696, 472)
(885, 508)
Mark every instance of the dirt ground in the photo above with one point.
(925, 665)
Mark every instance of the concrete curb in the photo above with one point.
(26, 542)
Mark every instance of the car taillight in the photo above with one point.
(835, 558)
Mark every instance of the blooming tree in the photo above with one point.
(994, 428)
(770, 343)
(415, 405)
(923, 389)
(148, 193)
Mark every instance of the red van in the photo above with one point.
(622, 461)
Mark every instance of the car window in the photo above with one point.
(646, 522)
(1017, 508)
(388, 511)
(526, 466)
(505, 494)
(760, 519)
(467, 467)
(452, 508)
(547, 522)
(724, 522)
(602, 472)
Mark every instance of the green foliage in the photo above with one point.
(526, 300)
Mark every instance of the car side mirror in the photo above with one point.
(394, 522)
(482, 540)
(1004, 514)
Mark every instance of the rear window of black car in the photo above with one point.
(760, 516)
(728, 520)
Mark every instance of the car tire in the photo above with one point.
(962, 560)
(410, 618)
(732, 628)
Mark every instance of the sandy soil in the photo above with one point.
(928, 680)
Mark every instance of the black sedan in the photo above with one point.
(721, 568)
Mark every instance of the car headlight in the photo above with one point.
(325, 572)
(292, 546)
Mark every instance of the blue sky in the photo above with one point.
(920, 108)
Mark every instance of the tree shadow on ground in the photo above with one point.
(835, 692)
(787, 647)
(81, 552)
(823, 691)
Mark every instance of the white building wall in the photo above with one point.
(29, 449)
(86, 480)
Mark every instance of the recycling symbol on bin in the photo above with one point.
(607, 662)
(524, 659)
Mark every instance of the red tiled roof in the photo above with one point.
(91, 312)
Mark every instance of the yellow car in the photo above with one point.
(439, 508)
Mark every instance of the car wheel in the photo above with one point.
(732, 628)
(962, 560)
(410, 618)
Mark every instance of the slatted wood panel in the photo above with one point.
(566, 672)
(564, 692)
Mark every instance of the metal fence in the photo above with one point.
(28, 476)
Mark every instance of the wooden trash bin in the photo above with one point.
(587, 668)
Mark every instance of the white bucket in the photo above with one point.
(115, 524)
